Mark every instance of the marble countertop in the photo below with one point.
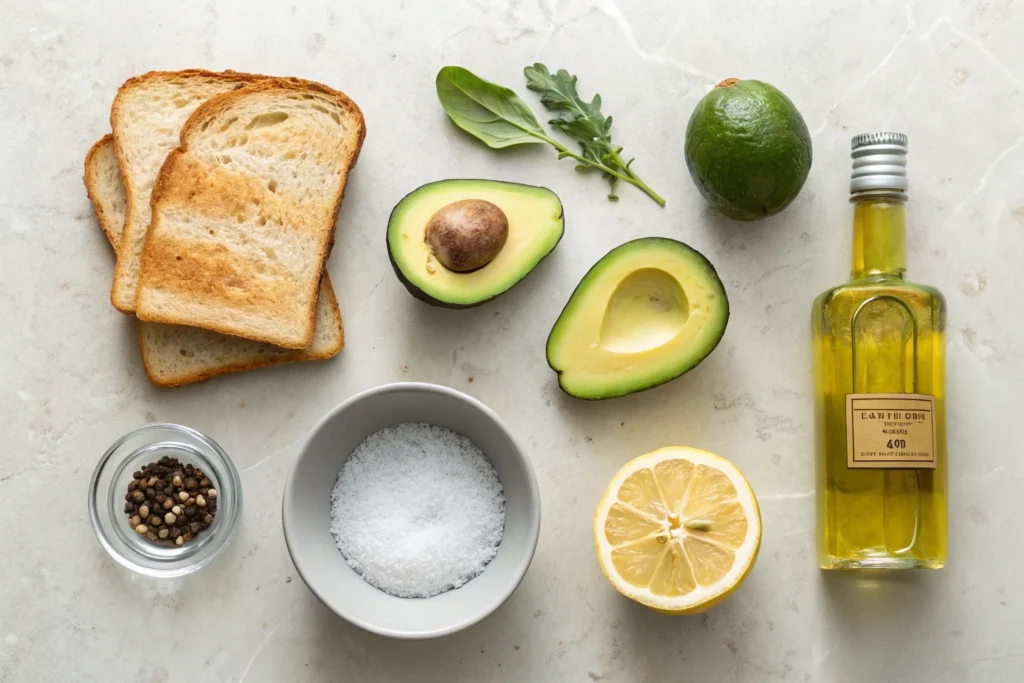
(950, 74)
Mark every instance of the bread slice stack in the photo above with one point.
(219, 193)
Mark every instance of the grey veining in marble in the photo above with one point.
(950, 74)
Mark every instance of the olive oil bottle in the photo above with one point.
(879, 357)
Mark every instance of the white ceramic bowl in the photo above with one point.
(306, 512)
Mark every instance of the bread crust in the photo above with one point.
(106, 223)
(290, 356)
(91, 180)
(120, 300)
(175, 172)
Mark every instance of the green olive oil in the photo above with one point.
(879, 357)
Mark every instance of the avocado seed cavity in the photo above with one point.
(467, 234)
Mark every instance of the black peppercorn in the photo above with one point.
(190, 510)
(136, 475)
(138, 496)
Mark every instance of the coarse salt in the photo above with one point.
(417, 510)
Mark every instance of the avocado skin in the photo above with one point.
(426, 298)
(748, 150)
(616, 393)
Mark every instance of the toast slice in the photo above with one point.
(146, 117)
(243, 211)
(174, 355)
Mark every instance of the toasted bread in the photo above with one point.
(146, 117)
(243, 211)
(174, 355)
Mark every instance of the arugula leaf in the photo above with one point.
(497, 117)
(583, 122)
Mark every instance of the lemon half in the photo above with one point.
(678, 530)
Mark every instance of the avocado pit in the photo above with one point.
(467, 235)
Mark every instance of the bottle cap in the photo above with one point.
(879, 162)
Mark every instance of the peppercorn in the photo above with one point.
(153, 496)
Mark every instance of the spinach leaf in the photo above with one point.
(493, 114)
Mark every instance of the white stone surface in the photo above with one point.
(951, 74)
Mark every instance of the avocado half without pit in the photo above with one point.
(649, 311)
(459, 243)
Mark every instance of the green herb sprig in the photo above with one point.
(499, 118)
(584, 123)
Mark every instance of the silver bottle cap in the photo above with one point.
(879, 162)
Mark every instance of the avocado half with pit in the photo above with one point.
(459, 243)
(646, 313)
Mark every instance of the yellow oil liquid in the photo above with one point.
(879, 333)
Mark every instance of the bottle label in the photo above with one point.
(890, 431)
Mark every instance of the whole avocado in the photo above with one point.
(747, 149)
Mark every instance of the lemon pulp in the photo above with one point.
(678, 529)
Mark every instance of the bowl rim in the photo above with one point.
(533, 494)
(216, 545)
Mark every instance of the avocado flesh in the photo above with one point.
(535, 225)
(646, 313)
